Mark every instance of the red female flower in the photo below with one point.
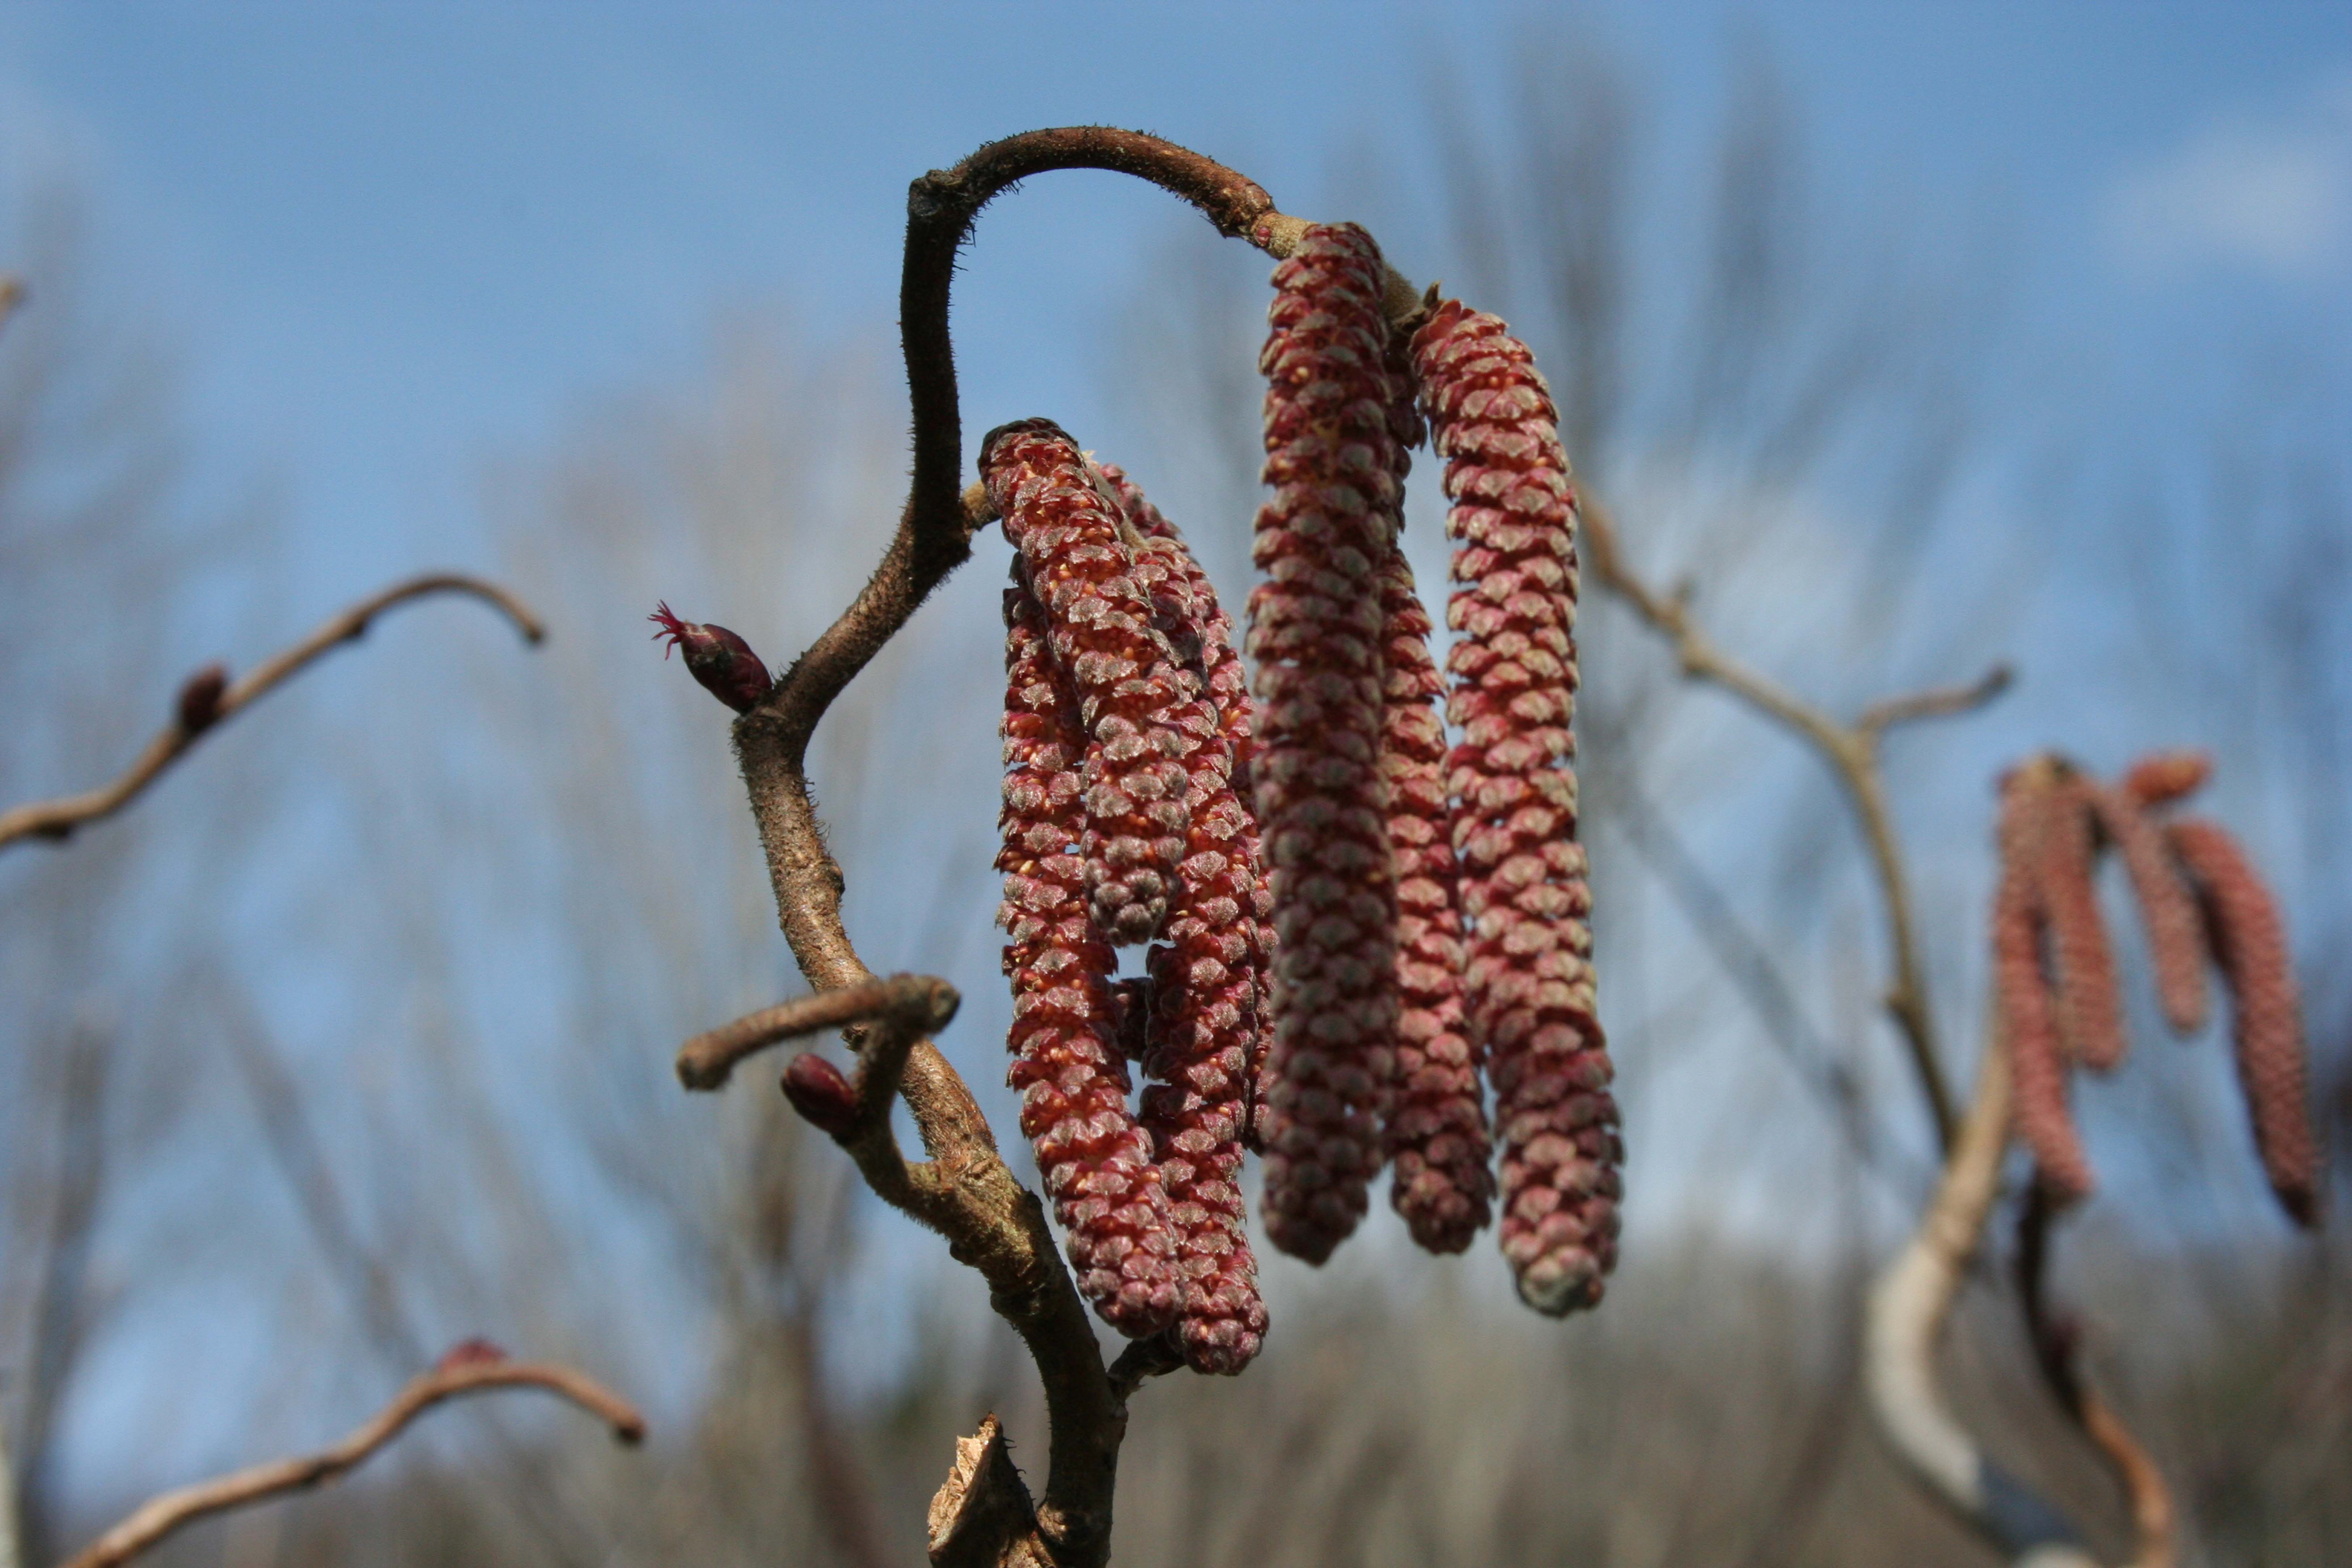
(722, 661)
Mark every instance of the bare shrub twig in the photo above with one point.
(471, 1368)
(208, 697)
(1851, 753)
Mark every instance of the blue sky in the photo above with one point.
(394, 240)
(395, 244)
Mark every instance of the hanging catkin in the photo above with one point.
(1094, 1160)
(1069, 534)
(2029, 1028)
(1203, 1003)
(2089, 1004)
(2249, 948)
(1531, 1002)
(1315, 632)
(2168, 906)
(1212, 658)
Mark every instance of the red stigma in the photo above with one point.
(671, 627)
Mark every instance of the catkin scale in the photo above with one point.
(1068, 531)
(1529, 983)
(1068, 1064)
(2249, 948)
(1315, 631)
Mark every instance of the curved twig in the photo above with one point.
(1851, 753)
(2057, 1343)
(964, 1191)
(1908, 1307)
(208, 697)
(464, 1372)
(708, 1059)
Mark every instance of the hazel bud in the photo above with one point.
(717, 658)
(200, 698)
(820, 1094)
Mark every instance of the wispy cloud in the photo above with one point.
(2270, 195)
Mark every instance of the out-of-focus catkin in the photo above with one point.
(1096, 1161)
(2030, 798)
(2249, 948)
(2168, 906)
(1315, 632)
(2089, 1004)
(1069, 531)
(2163, 777)
(1530, 1001)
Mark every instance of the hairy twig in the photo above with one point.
(208, 697)
(708, 1059)
(1851, 753)
(470, 1369)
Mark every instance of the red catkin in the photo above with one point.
(2167, 905)
(2249, 948)
(1205, 642)
(1094, 1160)
(1530, 995)
(1073, 545)
(2090, 1002)
(2029, 1027)
(2162, 777)
(1202, 1006)
(1315, 632)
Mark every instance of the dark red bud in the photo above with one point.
(820, 1094)
(476, 1352)
(715, 657)
(200, 698)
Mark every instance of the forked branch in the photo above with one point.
(209, 697)
(1851, 753)
(471, 1368)
(964, 1189)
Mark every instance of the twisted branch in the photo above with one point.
(1851, 753)
(964, 1189)
(1909, 1306)
(464, 1372)
(207, 698)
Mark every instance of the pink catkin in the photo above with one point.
(1069, 534)
(2090, 1001)
(2249, 948)
(2168, 906)
(2029, 1027)
(1315, 632)
(1202, 1011)
(1068, 1065)
(1530, 1001)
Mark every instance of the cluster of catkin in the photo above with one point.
(2202, 901)
(1355, 926)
